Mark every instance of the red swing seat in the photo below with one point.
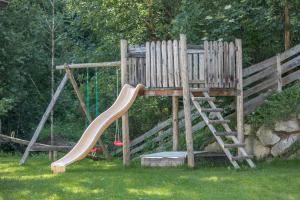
(118, 143)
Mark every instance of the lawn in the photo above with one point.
(109, 180)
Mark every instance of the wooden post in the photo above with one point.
(44, 119)
(125, 120)
(186, 100)
(279, 78)
(175, 122)
(239, 87)
(84, 108)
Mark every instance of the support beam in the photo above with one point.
(44, 119)
(279, 76)
(175, 109)
(84, 108)
(125, 120)
(91, 65)
(239, 86)
(186, 100)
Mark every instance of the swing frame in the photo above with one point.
(68, 75)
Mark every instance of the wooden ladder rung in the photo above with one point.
(242, 157)
(219, 121)
(232, 133)
(212, 110)
(204, 98)
(228, 146)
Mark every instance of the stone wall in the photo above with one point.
(270, 142)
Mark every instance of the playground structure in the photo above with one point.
(196, 72)
(199, 73)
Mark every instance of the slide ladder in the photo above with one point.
(221, 135)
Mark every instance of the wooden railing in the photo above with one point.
(259, 81)
(157, 64)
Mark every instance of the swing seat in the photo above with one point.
(96, 150)
(118, 143)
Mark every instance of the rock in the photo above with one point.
(267, 136)
(287, 126)
(247, 129)
(249, 144)
(282, 146)
(213, 147)
(259, 150)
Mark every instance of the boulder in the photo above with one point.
(282, 146)
(249, 144)
(259, 150)
(287, 126)
(213, 147)
(247, 129)
(267, 136)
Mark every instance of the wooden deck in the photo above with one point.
(173, 158)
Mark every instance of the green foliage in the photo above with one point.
(279, 106)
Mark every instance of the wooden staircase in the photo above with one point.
(228, 134)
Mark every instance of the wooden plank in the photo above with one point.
(153, 65)
(175, 108)
(279, 80)
(259, 66)
(211, 67)
(291, 64)
(221, 64)
(255, 102)
(190, 66)
(226, 64)
(201, 74)
(239, 98)
(261, 86)
(125, 120)
(158, 64)
(164, 63)
(195, 69)
(291, 77)
(196, 92)
(91, 65)
(148, 65)
(36, 146)
(186, 100)
(215, 64)
(176, 64)
(129, 70)
(259, 76)
(206, 63)
(232, 67)
(290, 52)
(170, 64)
(44, 119)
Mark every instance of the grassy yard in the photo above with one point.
(109, 180)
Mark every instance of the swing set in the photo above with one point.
(85, 103)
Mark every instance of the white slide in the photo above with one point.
(92, 133)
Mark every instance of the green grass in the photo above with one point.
(109, 180)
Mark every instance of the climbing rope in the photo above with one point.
(118, 142)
